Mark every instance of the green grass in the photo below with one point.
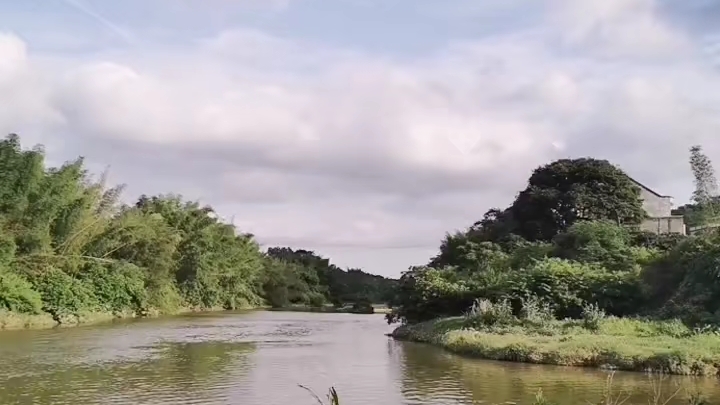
(613, 343)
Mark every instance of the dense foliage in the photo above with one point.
(69, 248)
(569, 240)
(302, 277)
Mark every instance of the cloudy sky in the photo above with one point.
(361, 129)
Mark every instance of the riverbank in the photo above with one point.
(619, 344)
(18, 321)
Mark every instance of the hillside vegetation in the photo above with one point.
(547, 278)
(70, 251)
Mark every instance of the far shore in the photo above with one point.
(18, 321)
(376, 309)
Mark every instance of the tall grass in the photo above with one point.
(332, 397)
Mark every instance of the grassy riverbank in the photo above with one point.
(622, 344)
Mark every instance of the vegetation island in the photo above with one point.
(575, 273)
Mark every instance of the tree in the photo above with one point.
(566, 191)
(496, 226)
(705, 195)
(469, 255)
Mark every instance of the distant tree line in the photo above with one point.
(302, 277)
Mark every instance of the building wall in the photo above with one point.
(654, 205)
(667, 224)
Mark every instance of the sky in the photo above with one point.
(361, 129)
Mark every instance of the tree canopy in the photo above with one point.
(566, 191)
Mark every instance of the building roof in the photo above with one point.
(649, 189)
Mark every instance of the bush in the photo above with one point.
(119, 287)
(7, 249)
(601, 242)
(316, 300)
(425, 293)
(17, 294)
(563, 285)
(592, 315)
(165, 297)
(567, 286)
(651, 240)
(486, 313)
(686, 282)
(528, 253)
(536, 310)
(64, 295)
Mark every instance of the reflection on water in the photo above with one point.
(437, 377)
(259, 358)
(187, 373)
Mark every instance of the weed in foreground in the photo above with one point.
(332, 396)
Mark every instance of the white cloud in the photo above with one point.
(315, 145)
(619, 28)
(23, 91)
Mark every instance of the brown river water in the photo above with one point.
(259, 358)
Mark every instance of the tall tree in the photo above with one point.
(566, 191)
(706, 187)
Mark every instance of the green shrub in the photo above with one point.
(425, 293)
(567, 286)
(17, 294)
(486, 313)
(652, 240)
(165, 297)
(536, 310)
(601, 242)
(118, 287)
(686, 282)
(525, 254)
(592, 315)
(316, 300)
(7, 249)
(64, 295)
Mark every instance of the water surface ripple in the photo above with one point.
(259, 358)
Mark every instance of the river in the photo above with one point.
(259, 358)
